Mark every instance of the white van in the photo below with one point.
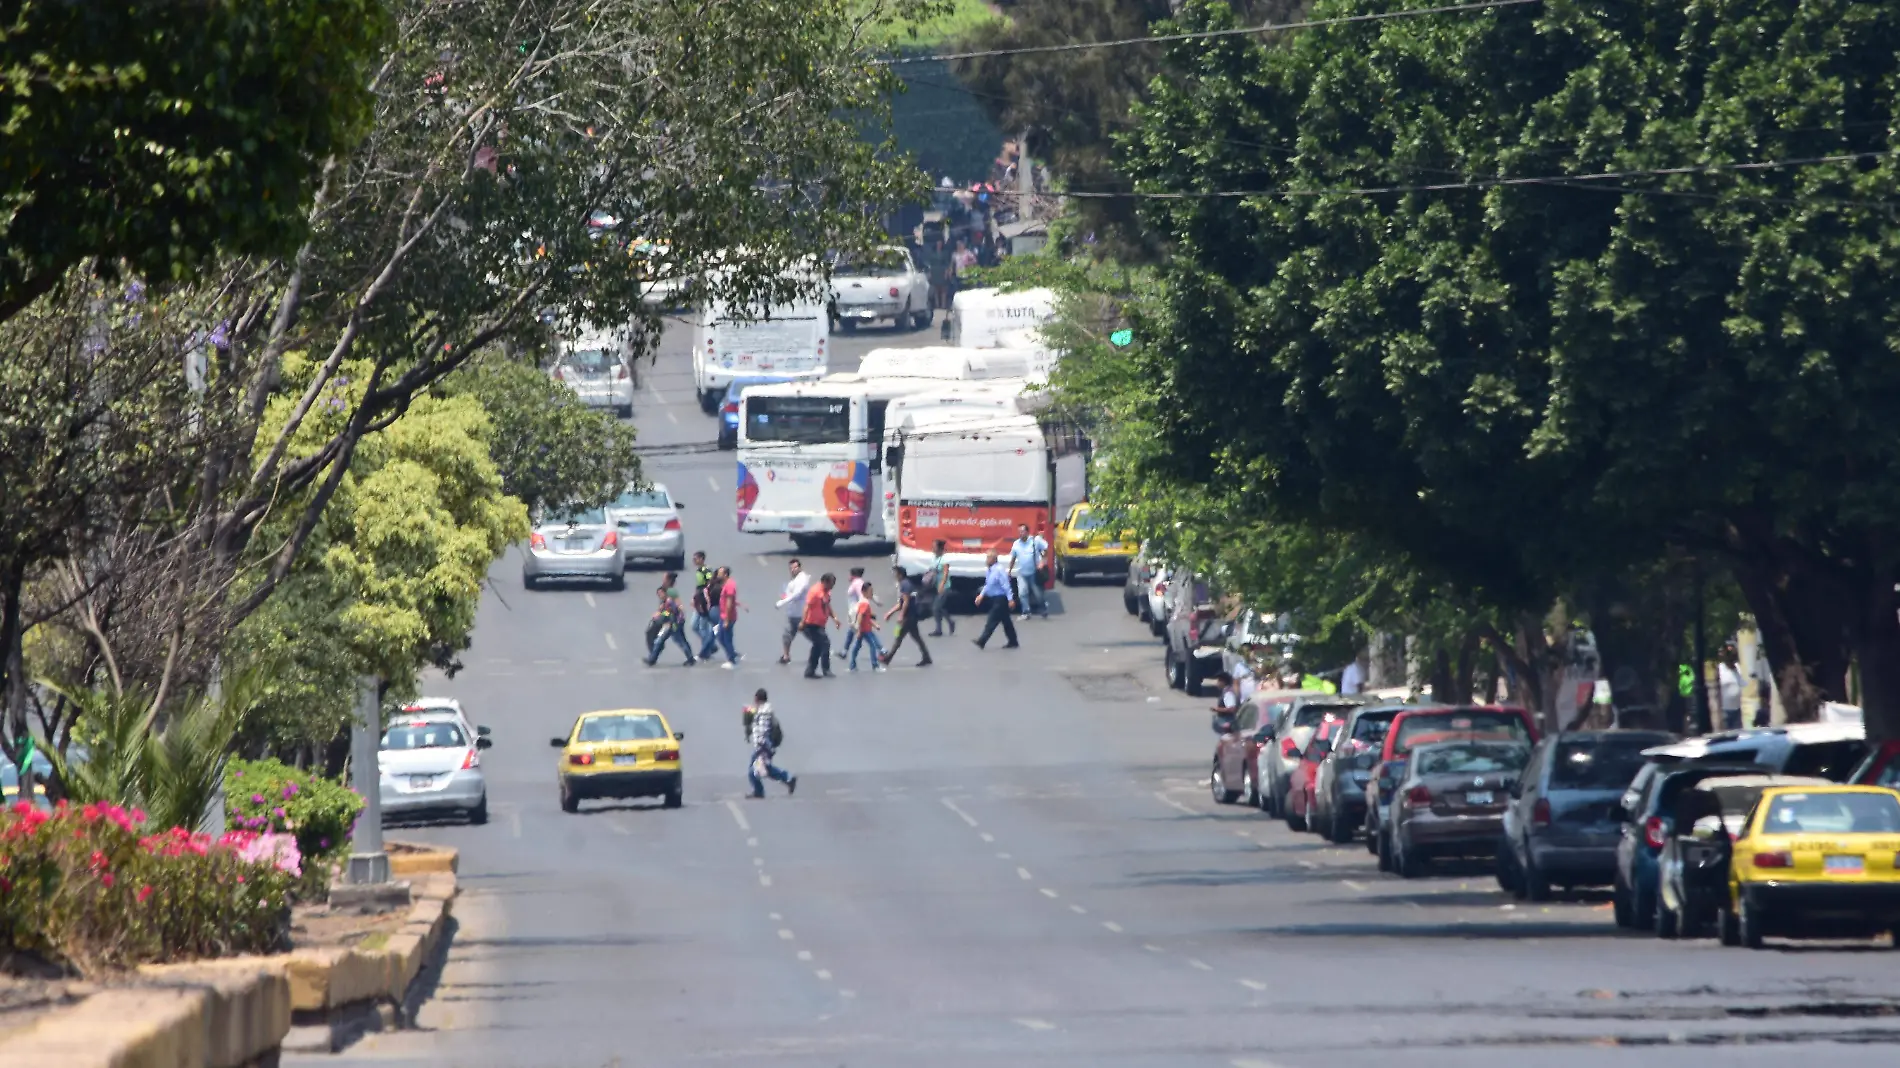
(788, 340)
(986, 318)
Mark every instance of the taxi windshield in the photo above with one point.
(1831, 813)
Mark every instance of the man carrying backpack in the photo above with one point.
(763, 731)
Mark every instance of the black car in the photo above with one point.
(1561, 826)
(1648, 824)
(1339, 790)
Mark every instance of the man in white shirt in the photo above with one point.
(1244, 682)
(793, 605)
(1353, 679)
(1025, 556)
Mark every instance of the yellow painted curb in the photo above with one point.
(430, 859)
(329, 978)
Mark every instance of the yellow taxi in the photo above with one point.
(1815, 861)
(626, 752)
(1083, 547)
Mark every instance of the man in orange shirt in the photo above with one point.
(818, 612)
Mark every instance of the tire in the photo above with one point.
(569, 803)
(674, 563)
(1294, 821)
(1130, 603)
(1668, 924)
(1177, 673)
(1157, 628)
(1409, 864)
(708, 401)
(1385, 852)
(675, 797)
(1749, 925)
(1728, 927)
(624, 411)
(1217, 784)
(1338, 831)
(479, 814)
(921, 320)
(1536, 884)
(1507, 873)
(1620, 905)
(1372, 837)
(529, 582)
(618, 582)
(1141, 609)
(1250, 787)
(1062, 574)
(1191, 675)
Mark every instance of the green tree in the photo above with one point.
(1537, 376)
(160, 134)
(549, 448)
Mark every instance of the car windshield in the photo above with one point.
(1596, 764)
(1472, 758)
(423, 735)
(580, 517)
(1085, 520)
(591, 361)
(1412, 728)
(1834, 761)
(886, 261)
(652, 498)
(1845, 813)
(620, 729)
(1736, 800)
(1314, 715)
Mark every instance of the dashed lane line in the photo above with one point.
(764, 879)
(712, 483)
(590, 600)
(738, 817)
(1078, 910)
(964, 816)
(609, 635)
(987, 836)
(1034, 1024)
(1200, 964)
(1113, 926)
(1048, 893)
(823, 974)
(1172, 803)
(1152, 948)
(1023, 874)
(1253, 984)
(785, 933)
(804, 954)
(1350, 885)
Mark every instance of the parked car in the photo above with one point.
(1293, 729)
(574, 543)
(1693, 866)
(596, 366)
(1831, 751)
(10, 780)
(430, 767)
(883, 284)
(1424, 726)
(729, 405)
(1084, 547)
(1239, 738)
(1299, 787)
(1339, 786)
(1815, 861)
(1195, 633)
(648, 526)
(1561, 826)
(1648, 824)
(1881, 767)
(1250, 627)
(1144, 571)
(1451, 801)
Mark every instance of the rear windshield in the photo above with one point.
(592, 361)
(1371, 728)
(1596, 764)
(423, 736)
(1313, 715)
(798, 420)
(1853, 813)
(580, 517)
(1085, 520)
(642, 499)
(1736, 800)
(1834, 761)
(621, 729)
(1414, 727)
(1472, 758)
(882, 262)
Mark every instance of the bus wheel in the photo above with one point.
(814, 543)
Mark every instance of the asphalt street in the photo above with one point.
(1009, 858)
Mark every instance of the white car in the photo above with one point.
(449, 705)
(882, 284)
(597, 367)
(431, 767)
(649, 526)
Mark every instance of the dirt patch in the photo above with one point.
(314, 926)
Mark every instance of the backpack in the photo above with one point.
(777, 734)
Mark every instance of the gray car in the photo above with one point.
(430, 767)
(574, 543)
(1561, 826)
(648, 527)
(1293, 731)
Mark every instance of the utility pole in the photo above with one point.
(1699, 720)
(1025, 180)
(369, 865)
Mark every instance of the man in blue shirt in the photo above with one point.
(1001, 600)
(1025, 557)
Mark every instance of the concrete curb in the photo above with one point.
(419, 859)
(240, 1011)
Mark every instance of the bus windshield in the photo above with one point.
(798, 420)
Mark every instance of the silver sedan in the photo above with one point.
(648, 526)
(575, 543)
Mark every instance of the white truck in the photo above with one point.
(991, 318)
(884, 283)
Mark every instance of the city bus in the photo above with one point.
(947, 363)
(788, 340)
(809, 465)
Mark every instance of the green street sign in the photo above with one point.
(1121, 338)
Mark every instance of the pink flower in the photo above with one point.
(145, 892)
(98, 860)
(290, 790)
(106, 879)
(279, 813)
(257, 799)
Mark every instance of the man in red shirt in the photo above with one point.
(818, 612)
(728, 597)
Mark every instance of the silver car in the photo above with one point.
(595, 368)
(648, 527)
(574, 543)
(430, 767)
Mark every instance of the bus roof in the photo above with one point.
(964, 400)
(952, 434)
(996, 298)
(945, 362)
(846, 385)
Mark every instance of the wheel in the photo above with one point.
(529, 582)
(814, 543)
(1749, 924)
(708, 401)
(1372, 836)
(624, 411)
(1338, 831)
(1642, 908)
(618, 582)
(1177, 675)
(675, 563)
(1157, 628)
(1728, 927)
(1620, 905)
(675, 797)
(1668, 925)
(1385, 853)
(1062, 573)
(569, 803)
(1507, 874)
(479, 814)
(1250, 787)
(1294, 821)
(1217, 783)
(921, 320)
(1191, 675)
(1536, 883)
(1132, 604)
(1409, 864)
(1141, 609)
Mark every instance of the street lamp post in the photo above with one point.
(369, 865)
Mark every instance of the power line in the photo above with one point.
(1081, 46)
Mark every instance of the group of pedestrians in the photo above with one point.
(715, 614)
(809, 611)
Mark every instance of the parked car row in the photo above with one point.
(1784, 831)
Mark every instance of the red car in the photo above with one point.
(1299, 789)
(1242, 733)
(1424, 726)
(1882, 766)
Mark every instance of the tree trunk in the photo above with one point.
(1441, 680)
(1877, 651)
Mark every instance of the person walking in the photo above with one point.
(906, 612)
(938, 580)
(793, 605)
(763, 731)
(853, 593)
(671, 620)
(864, 631)
(705, 609)
(1026, 557)
(996, 592)
(727, 600)
(818, 612)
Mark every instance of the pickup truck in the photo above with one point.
(882, 284)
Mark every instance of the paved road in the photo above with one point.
(1007, 859)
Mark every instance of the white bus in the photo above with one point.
(810, 465)
(787, 339)
(946, 363)
(969, 478)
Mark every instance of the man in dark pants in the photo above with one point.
(938, 580)
(906, 611)
(818, 612)
(1002, 601)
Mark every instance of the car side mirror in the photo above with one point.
(1515, 790)
(1619, 814)
(558, 743)
(483, 731)
(484, 743)
(1709, 829)
(679, 736)
(679, 504)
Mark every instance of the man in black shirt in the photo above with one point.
(906, 611)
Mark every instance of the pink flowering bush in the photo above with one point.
(267, 796)
(87, 887)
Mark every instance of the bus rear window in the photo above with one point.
(798, 420)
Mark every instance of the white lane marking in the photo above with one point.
(1023, 873)
(1201, 964)
(785, 933)
(1308, 865)
(1002, 856)
(764, 879)
(1250, 1062)
(1048, 893)
(1152, 948)
(712, 482)
(671, 417)
(514, 823)
(952, 806)
(758, 862)
(823, 974)
(1253, 984)
(738, 817)
(762, 561)
(1113, 926)
(657, 395)
(753, 842)
(987, 836)
(1172, 803)
(804, 954)
(775, 915)
(1078, 910)
(847, 993)
(609, 635)
(1350, 885)
(616, 828)
(590, 600)
(1034, 1024)
(1244, 834)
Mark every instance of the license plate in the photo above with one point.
(418, 782)
(1846, 864)
(639, 528)
(1478, 797)
(627, 758)
(1113, 545)
(580, 545)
